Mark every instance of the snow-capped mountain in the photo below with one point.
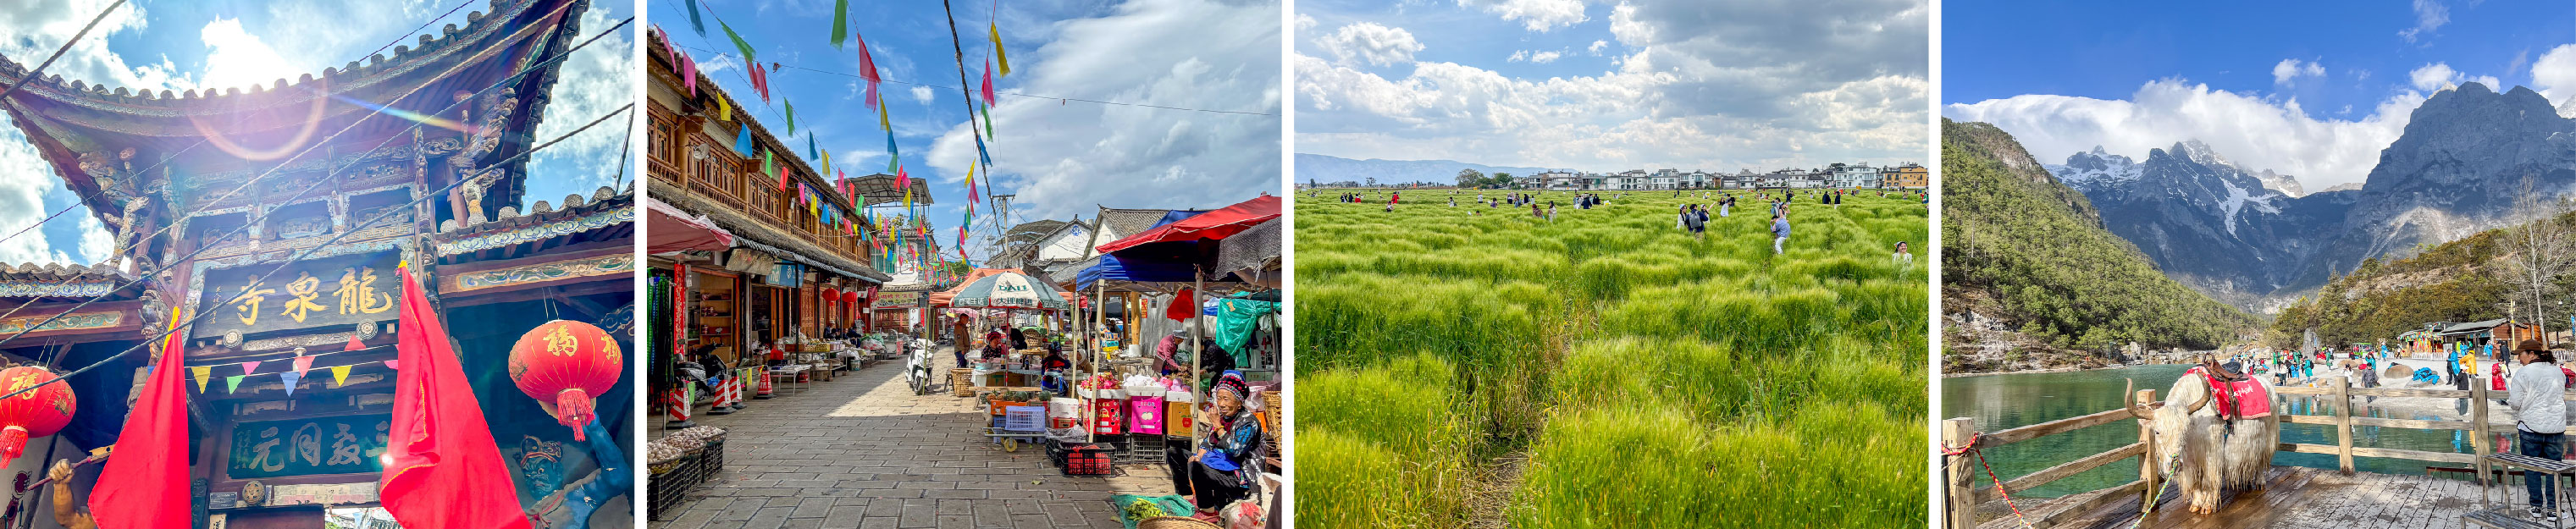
(2251, 238)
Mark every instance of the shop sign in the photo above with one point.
(346, 444)
(328, 292)
(898, 299)
(787, 275)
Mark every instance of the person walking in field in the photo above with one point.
(1779, 232)
(1551, 211)
(2538, 399)
(1698, 225)
(1903, 258)
(1681, 218)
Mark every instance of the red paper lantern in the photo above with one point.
(36, 413)
(567, 363)
(850, 297)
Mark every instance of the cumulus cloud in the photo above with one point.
(591, 83)
(2429, 15)
(1067, 159)
(923, 94)
(1537, 15)
(1370, 43)
(1542, 57)
(2256, 132)
(2291, 69)
(2438, 76)
(2554, 75)
(1716, 86)
(1597, 46)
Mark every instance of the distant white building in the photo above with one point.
(1854, 176)
(1560, 180)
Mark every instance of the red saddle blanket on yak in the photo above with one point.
(2243, 398)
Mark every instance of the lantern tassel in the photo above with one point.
(13, 442)
(572, 408)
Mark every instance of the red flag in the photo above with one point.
(760, 81)
(867, 69)
(1183, 306)
(441, 467)
(988, 83)
(145, 484)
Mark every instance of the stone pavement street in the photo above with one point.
(864, 452)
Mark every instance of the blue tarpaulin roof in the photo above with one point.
(1143, 264)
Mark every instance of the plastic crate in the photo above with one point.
(1024, 418)
(1089, 463)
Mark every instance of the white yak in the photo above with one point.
(2214, 457)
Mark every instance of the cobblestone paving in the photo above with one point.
(864, 452)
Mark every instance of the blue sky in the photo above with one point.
(2311, 89)
(1061, 158)
(1610, 86)
(178, 45)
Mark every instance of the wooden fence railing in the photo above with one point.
(1961, 495)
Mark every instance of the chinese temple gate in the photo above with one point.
(320, 185)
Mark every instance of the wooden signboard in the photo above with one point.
(347, 444)
(328, 292)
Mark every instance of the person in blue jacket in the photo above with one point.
(1779, 232)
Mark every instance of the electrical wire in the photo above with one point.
(210, 202)
(237, 230)
(308, 252)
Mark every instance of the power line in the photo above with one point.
(35, 74)
(237, 230)
(139, 241)
(200, 141)
(308, 252)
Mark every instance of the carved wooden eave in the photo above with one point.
(665, 77)
(605, 217)
(99, 138)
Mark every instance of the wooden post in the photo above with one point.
(2150, 464)
(1956, 491)
(2343, 424)
(2478, 423)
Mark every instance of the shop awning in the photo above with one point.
(1254, 249)
(942, 298)
(1009, 290)
(1212, 225)
(675, 231)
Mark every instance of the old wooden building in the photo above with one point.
(280, 213)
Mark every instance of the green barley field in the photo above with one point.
(1606, 369)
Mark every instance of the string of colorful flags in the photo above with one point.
(866, 224)
(301, 365)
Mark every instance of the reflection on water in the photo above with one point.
(1999, 402)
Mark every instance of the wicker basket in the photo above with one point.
(1174, 522)
(1271, 407)
(961, 382)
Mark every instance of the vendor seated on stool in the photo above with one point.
(1054, 364)
(1222, 469)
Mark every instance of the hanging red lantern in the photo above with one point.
(567, 363)
(36, 413)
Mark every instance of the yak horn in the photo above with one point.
(2129, 400)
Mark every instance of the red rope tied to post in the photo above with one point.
(1971, 449)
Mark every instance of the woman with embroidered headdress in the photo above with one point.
(1221, 470)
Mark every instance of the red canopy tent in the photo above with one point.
(675, 230)
(1211, 225)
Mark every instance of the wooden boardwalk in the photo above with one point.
(2293, 498)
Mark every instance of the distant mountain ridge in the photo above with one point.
(2027, 258)
(2256, 242)
(1324, 168)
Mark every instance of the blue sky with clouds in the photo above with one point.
(2311, 89)
(1061, 157)
(1610, 86)
(178, 45)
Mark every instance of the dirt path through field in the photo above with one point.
(1490, 496)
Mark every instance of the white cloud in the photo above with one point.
(1371, 43)
(923, 94)
(2439, 76)
(1067, 159)
(1717, 86)
(1597, 46)
(2554, 75)
(591, 83)
(1305, 22)
(2429, 15)
(1537, 15)
(2256, 132)
(96, 244)
(1535, 57)
(238, 59)
(2291, 69)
